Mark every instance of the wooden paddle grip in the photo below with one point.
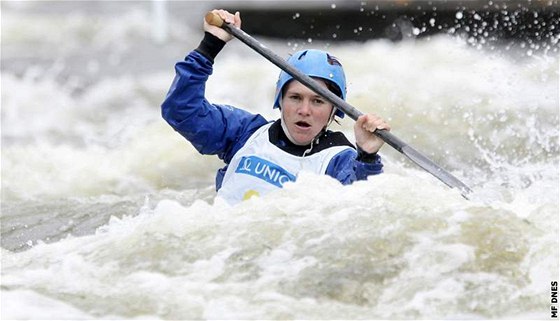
(214, 19)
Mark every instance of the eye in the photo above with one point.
(295, 97)
(319, 101)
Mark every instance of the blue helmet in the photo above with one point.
(314, 63)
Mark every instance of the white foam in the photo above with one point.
(399, 245)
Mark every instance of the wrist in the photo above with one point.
(366, 157)
(210, 46)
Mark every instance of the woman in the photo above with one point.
(261, 156)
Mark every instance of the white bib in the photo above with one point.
(260, 167)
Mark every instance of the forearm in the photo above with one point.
(369, 168)
(350, 166)
(211, 128)
(186, 97)
(187, 93)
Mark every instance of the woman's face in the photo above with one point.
(305, 112)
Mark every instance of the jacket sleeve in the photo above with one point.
(212, 129)
(347, 169)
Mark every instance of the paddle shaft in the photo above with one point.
(414, 155)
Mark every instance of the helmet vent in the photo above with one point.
(302, 55)
(332, 60)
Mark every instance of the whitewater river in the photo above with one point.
(107, 213)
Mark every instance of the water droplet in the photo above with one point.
(333, 6)
(459, 15)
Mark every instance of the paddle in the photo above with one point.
(414, 155)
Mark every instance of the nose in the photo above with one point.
(305, 108)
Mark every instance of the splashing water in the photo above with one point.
(108, 213)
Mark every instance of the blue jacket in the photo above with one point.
(222, 129)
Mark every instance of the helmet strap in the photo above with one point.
(285, 128)
(331, 118)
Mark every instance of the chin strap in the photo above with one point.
(285, 128)
(331, 118)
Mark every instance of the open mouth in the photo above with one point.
(303, 124)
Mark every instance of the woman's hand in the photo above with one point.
(227, 17)
(363, 131)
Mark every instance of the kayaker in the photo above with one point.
(262, 155)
